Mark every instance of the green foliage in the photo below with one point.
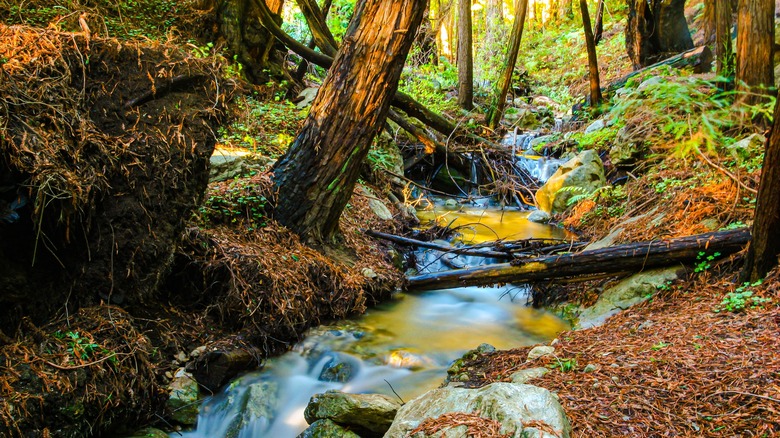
(609, 199)
(704, 261)
(430, 84)
(741, 299)
(600, 139)
(83, 348)
(238, 201)
(660, 346)
(565, 365)
(266, 128)
(122, 19)
(686, 115)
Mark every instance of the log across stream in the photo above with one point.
(404, 345)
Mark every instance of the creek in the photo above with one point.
(403, 346)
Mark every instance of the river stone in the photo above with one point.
(374, 412)
(585, 171)
(598, 125)
(336, 371)
(327, 429)
(148, 432)
(626, 150)
(626, 293)
(539, 216)
(523, 376)
(511, 404)
(227, 164)
(183, 398)
(539, 351)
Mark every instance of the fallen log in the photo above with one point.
(621, 258)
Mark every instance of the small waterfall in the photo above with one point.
(538, 166)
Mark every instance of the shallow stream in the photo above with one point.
(404, 346)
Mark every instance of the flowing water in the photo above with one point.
(405, 345)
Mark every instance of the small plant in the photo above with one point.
(660, 346)
(83, 348)
(234, 202)
(704, 261)
(565, 365)
(742, 298)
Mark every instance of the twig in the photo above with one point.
(727, 173)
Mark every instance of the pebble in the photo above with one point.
(539, 351)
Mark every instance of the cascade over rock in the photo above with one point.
(513, 405)
(583, 173)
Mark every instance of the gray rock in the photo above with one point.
(742, 149)
(261, 400)
(307, 96)
(327, 429)
(650, 82)
(626, 150)
(585, 172)
(539, 351)
(523, 376)
(541, 140)
(539, 216)
(183, 398)
(589, 368)
(148, 432)
(374, 412)
(513, 405)
(380, 209)
(227, 164)
(336, 371)
(598, 125)
(625, 294)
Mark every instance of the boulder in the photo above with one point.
(512, 405)
(583, 173)
(744, 148)
(183, 398)
(630, 291)
(626, 149)
(539, 216)
(327, 429)
(523, 376)
(371, 412)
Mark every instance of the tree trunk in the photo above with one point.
(304, 65)
(723, 50)
(621, 258)
(765, 244)
(499, 100)
(249, 42)
(316, 176)
(755, 43)
(465, 56)
(315, 18)
(593, 64)
(656, 29)
(598, 29)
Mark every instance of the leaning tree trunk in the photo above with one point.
(656, 29)
(465, 56)
(755, 42)
(598, 28)
(765, 243)
(499, 100)
(316, 176)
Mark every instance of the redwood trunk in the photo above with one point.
(593, 64)
(755, 43)
(465, 56)
(765, 244)
(315, 178)
(723, 50)
(656, 29)
(499, 100)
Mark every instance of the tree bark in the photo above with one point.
(656, 28)
(499, 99)
(315, 18)
(465, 56)
(765, 244)
(304, 65)
(723, 50)
(622, 258)
(315, 178)
(598, 29)
(593, 64)
(755, 44)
